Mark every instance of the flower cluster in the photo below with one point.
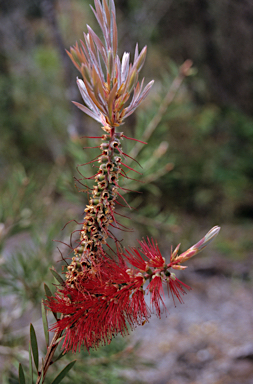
(100, 306)
(102, 296)
(111, 295)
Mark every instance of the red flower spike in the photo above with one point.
(150, 250)
(106, 297)
(101, 306)
(175, 288)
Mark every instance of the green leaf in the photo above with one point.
(47, 290)
(34, 345)
(45, 323)
(63, 373)
(49, 294)
(59, 339)
(57, 276)
(30, 363)
(60, 356)
(21, 375)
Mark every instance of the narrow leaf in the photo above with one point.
(73, 60)
(136, 52)
(49, 294)
(57, 276)
(30, 364)
(107, 13)
(87, 111)
(88, 95)
(85, 70)
(60, 356)
(47, 290)
(97, 40)
(59, 339)
(63, 373)
(111, 99)
(45, 323)
(91, 46)
(21, 375)
(115, 36)
(99, 13)
(112, 7)
(34, 346)
(141, 59)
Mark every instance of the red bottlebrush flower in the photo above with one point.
(148, 249)
(157, 272)
(155, 287)
(99, 307)
(103, 297)
(151, 250)
(175, 288)
(135, 259)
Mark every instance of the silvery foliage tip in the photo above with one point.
(108, 82)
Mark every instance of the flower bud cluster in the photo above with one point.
(99, 213)
(106, 86)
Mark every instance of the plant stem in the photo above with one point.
(49, 356)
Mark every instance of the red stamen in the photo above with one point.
(82, 184)
(63, 258)
(123, 226)
(116, 213)
(131, 138)
(125, 189)
(111, 249)
(87, 178)
(130, 177)
(58, 241)
(123, 230)
(131, 168)
(123, 199)
(91, 137)
(70, 222)
(122, 205)
(92, 161)
(132, 159)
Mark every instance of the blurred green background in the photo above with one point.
(197, 167)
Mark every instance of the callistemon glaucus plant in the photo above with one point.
(103, 296)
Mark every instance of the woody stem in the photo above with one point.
(49, 356)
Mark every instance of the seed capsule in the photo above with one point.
(103, 184)
(109, 166)
(115, 144)
(100, 177)
(104, 146)
(103, 159)
(103, 167)
(94, 201)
